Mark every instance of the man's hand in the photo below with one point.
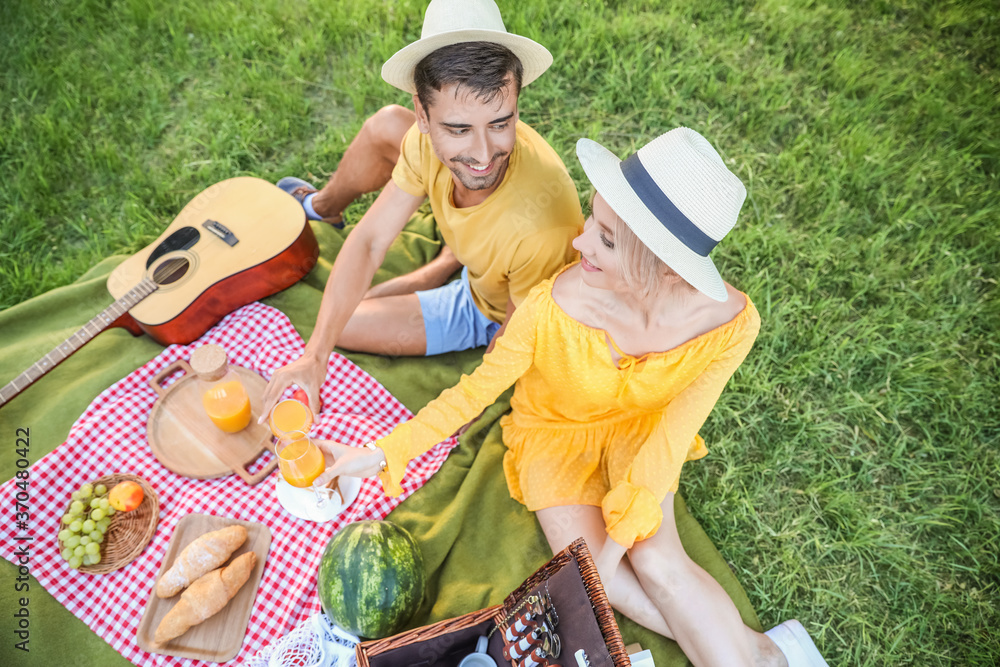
(307, 372)
(349, 461)
(431, 275)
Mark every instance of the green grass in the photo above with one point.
(854, 480)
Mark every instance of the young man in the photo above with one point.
(501, 196)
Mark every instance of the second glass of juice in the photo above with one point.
(299, 459)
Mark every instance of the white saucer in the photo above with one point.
(302, 502)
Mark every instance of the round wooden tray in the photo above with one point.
(185, 440)
(129, 532)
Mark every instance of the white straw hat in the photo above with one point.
(677, 195)
(448, 22)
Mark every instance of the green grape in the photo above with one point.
(68, 518)
(109, 511)
(105, 503)
(104, 524)
(86, 490)
(95, 503)
(97, 536)
(79, 551)
(75, 562)
(73, 541)
(76, 507)
(89, 525)
(64, 535)
(75, 495)
(85, 540)
(67, 554)
(100, 489)
(95, 558)
(97, 514)
(93, 548)
(76, 525)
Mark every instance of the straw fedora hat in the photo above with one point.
(448, 22)
(677, 195)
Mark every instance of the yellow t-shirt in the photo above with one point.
(583, 430)
(519, 236)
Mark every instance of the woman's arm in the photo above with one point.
(632, 506)
(439, 419)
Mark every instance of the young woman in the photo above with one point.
(618, 360)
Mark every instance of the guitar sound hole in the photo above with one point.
(171, 270)
(183, 239)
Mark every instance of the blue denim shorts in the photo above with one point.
(451, 320)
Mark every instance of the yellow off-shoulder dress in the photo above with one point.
(582, 429)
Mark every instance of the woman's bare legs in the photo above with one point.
(564, 524)
(708, 626)
(661, 588)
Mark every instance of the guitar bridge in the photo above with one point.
(221, 231)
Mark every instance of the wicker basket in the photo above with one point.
(129, 532)
(586, 619)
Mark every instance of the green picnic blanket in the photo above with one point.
(478, 543)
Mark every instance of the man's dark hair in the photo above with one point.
(482, 67)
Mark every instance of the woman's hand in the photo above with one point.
(349, 461)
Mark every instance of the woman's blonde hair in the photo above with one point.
(639, 267)
(641, 270)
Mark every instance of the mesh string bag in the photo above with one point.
(314, 643)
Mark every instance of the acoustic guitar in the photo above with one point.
(236, 242)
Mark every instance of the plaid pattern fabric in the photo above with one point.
(111, 437)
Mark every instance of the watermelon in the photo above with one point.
(371, 578)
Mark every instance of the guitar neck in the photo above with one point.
(83, 336)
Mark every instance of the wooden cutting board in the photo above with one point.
(219, 638)
(184, 439)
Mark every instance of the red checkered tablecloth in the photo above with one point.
(111, 437)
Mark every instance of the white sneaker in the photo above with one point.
(796, 644)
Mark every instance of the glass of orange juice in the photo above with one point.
(299, 459)
(289, 416)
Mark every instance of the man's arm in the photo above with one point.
(431, 275)
(359, 258)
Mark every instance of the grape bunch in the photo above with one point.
(85, 525)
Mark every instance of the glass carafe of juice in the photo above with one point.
(222, 393)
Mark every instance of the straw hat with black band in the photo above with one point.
(448, 22)
(677, 195)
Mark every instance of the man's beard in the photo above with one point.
(473, 182)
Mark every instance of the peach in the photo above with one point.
(301, 396)
(126, 496)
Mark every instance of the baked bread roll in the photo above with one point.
(205, 598)
(203, 555)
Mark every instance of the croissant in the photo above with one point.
(205, 598)
(203, 555)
